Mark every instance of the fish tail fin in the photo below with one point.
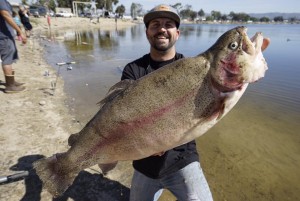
(55, 178)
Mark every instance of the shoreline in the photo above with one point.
(78, 23)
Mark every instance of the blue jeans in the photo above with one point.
(186, 184)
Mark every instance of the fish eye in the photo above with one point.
(233, 45)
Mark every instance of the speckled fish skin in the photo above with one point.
(162, 110)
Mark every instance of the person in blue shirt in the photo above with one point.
(18, 22)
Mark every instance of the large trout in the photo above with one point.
(165, 109)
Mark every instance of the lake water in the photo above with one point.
(254, 152)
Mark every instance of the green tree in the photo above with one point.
(293, 19)
(278, 19)
(209, 18)
(193, 15)
(201, 13)
(186, 12)
(24, 2)
(254, 19)
(106, 4)
(177, 6)
(40, 2)
(231, 14)
(136, 10)
(264, 19)
(216, 15)
(52, 5)
(64, 3)
(120, 10)
(239, 17)
(224, 17)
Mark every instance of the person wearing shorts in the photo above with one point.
(8, 50)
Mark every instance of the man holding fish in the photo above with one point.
(177, 169)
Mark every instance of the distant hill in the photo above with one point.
(285, 16)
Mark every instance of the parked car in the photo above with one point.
(109, 14)
(88, 15)
(126, 17)
(38, 11)
(64, 14)
(51, 13)
(34, 12)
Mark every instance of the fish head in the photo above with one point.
(237, 59)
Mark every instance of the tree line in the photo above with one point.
(185, 12)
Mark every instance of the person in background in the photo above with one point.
(18, 22)
(178, 169)
(8, 50)
(25, 20)
(116, 18)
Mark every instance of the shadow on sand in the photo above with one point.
(87, 186)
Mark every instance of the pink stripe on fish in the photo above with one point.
(139, 123)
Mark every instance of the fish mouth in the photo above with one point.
(255, 45)
(253, 49)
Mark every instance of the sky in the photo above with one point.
(224, 6)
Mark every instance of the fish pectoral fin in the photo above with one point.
(105, 168)
(115, 90)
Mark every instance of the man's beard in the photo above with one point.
(162, 48)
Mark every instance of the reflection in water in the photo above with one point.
(121, 33)
(254, 152)
(186, 31)
(107, 40)
(88, 40)
(199, 31)
(137, 32)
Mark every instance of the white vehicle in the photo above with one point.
(64, 14)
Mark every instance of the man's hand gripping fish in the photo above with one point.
(162, 110)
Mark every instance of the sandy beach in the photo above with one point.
(37, 122)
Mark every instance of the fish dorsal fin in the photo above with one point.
(115, 90)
